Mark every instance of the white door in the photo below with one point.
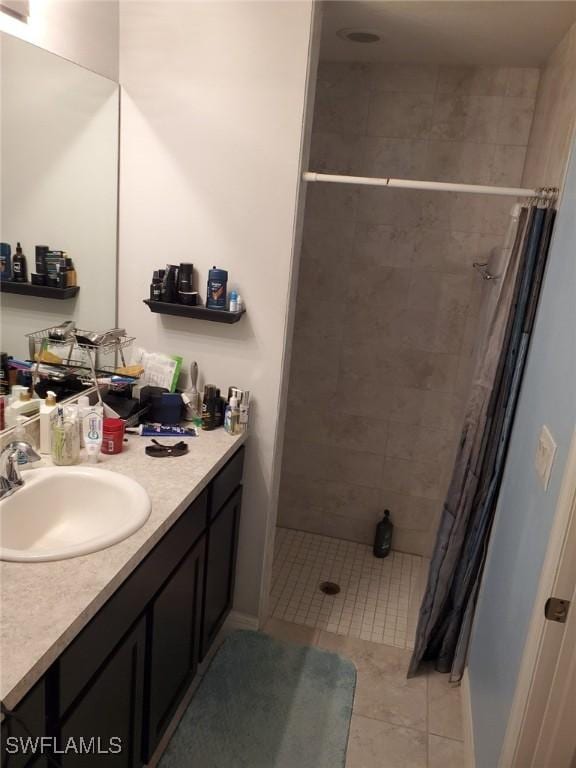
(545, 703)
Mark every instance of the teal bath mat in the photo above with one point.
(267, 704)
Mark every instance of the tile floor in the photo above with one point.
(379, 599)
(396, 723)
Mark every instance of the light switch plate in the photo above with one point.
(545, 452)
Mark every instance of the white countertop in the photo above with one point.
(43, 606)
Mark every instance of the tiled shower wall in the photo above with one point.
(388, 302)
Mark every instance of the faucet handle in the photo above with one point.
(21, 447)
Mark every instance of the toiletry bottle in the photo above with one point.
(41, 251)
(244, 411)
(5, 261)
(169, 284)
(216, 289)
(232, 416)
(233, 307)
(92, 432)
(383, 537)
(71, 281)
(156, 287)
(46, 409)
(240, 304)
(83, 408)
(19, 268)
(209, 405)
(4, 375)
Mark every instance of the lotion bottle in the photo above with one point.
(46, 409)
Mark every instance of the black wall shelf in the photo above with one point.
(42, 291)
(199, 313)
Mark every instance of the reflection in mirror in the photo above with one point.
(59, 183)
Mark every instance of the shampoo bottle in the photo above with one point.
(46, 409)
(383, 537)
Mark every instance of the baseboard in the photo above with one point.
(467, 722)
(238, 620)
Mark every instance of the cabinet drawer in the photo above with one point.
(89, 650)
(226, 482)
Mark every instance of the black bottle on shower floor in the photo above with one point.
(383, 537)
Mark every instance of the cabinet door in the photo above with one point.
(110, 709)
(220, 568)
(29, 720)
(175, 642)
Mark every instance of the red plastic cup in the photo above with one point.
(112, 436)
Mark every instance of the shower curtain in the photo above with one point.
(447, 609)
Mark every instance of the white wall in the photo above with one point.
(84, 31)
(213, 105)
(59, 171)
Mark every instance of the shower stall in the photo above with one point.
(392, 295)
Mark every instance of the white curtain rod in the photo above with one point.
(436, 186)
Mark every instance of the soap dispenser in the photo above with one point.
(46, 409)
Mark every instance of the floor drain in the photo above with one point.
(329, 588)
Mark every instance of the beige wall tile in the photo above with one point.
(414, 478)
(460, 161)
(384, 246)
(443, 251)
(341, 104)
(403, 78)
(376, 286)
(419, 443)
(508, 166)
(522, 82)
(398, 158)
(515, 121)
(333, 463)
(414, 542)
(335, 202)
(411, 513)
(487, 81)
(394, 207)
(336, 153)
(400, 115)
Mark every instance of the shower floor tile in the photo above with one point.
(378, 600)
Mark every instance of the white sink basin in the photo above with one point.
(68, 511)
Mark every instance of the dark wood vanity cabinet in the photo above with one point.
(174, 635)
(125, 674)
(220, 568)
(109, 710)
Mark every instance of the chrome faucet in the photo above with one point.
(10, 477)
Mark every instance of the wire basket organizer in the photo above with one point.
(84, 358)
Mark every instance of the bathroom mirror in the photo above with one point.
(59, 188)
